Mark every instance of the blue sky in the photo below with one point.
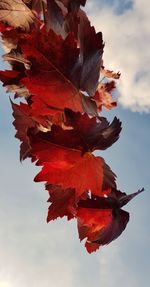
(37, 254)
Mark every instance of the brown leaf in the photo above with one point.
(14, 56)
(110, 74)
(16, 14)
(10, 39)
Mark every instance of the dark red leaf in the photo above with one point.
(22, 122)
(55, 18)
(88, 134)
(63, 203)
(9, 77)
(86, 73)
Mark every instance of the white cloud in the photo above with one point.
(127, 39)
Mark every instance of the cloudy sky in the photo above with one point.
(33, 253)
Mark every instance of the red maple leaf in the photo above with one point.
(47, 80)
(64, 166)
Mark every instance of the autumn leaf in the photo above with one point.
(87, 134)
(91, 222)
(55, 18)
(52, 66)
(63, 202)
(103, 96)
(16, 14)
(91, 52)
(14, 57)
(101, 220)
(49, 73)
(63, 166)
(46, 78)
(63, 16)
(110, 74)
(10, 38)
(22, 122)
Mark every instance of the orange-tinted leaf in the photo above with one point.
(110, 74)
(103, 96)
(67, 172)
(91, 222)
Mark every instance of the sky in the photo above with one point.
(37, 254)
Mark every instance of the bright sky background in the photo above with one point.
(33, 253)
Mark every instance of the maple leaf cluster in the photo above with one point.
(57, 72)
